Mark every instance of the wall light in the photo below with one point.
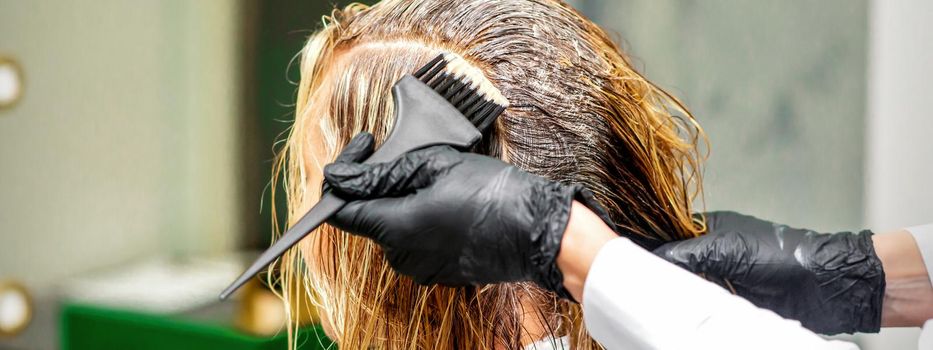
(11, 82)
(15, 308)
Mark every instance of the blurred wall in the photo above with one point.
(900, 120)
(899, 135)
(124, 144)
(779, 86)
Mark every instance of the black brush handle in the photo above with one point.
(422, 118)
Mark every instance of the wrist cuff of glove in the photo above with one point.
(870, 274)
(558, 199)
(853, 284)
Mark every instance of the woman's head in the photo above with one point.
(579, 113)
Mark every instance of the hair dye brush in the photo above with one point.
(446, 102)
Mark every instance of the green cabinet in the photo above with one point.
(85, 327)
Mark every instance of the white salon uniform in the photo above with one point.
(633, 299)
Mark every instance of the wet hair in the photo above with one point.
(579, 113)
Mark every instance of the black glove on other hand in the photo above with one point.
(831, 283)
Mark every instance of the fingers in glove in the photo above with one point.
(690, 254)
(674, 253)
(724, 254)
(401, 176)
(367, 218)
(357, 150)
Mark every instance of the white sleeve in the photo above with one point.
(635, 300)
(923, 235)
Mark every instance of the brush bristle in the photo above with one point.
(465, 87)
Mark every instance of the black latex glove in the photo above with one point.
(831, 283)
(453, 218)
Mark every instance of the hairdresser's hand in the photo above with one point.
(831, 283)
(453, 218)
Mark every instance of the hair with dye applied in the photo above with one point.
(579, 113)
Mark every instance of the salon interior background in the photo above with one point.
(145, 129)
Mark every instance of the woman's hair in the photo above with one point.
(579, 113)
